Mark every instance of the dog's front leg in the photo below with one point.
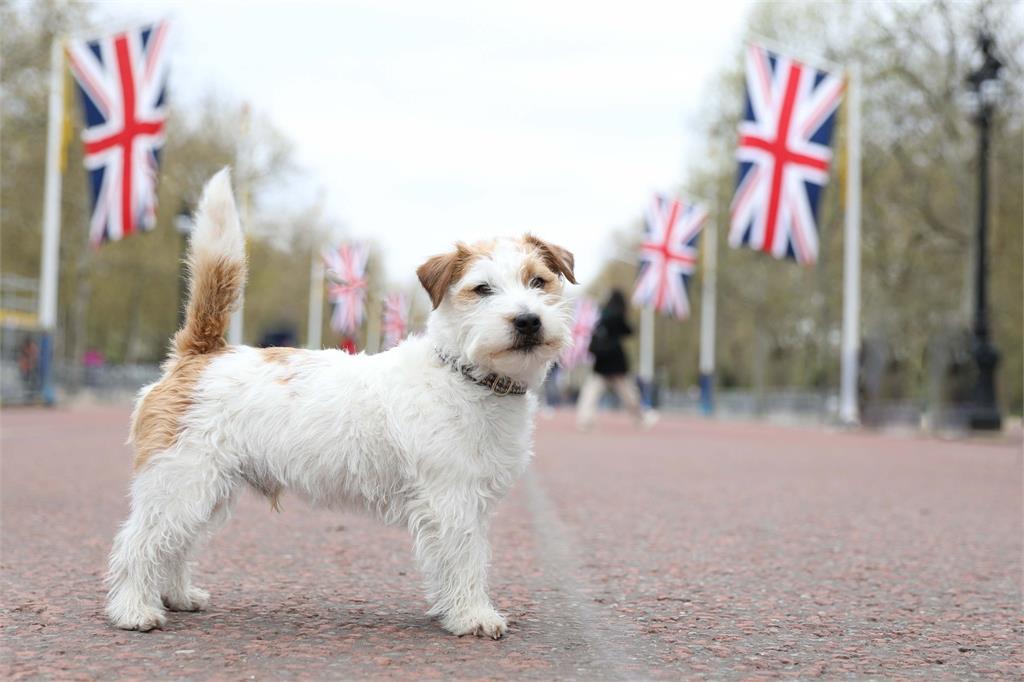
(453, 552)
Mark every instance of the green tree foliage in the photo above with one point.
(778, 323)
(123, 298)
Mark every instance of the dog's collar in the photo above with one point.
(496, 383)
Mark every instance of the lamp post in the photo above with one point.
(183, 225)
(983, 82)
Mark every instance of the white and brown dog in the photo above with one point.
(430, 434)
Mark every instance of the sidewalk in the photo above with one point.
(696, 549)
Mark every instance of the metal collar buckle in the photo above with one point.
(502, 385)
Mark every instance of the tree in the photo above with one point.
(123, 297)
(918, 211)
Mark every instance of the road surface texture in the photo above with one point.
(698, 549)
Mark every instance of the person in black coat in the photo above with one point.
(611, 369)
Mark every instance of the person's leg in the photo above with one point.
(628, 392)
(625, 387)
(590, 394)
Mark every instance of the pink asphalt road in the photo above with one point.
(698, 549)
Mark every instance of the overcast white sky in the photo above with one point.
(427, 122)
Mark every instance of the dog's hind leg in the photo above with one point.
(172, 500)
(178, 593)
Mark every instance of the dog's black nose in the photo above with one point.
(527, 324)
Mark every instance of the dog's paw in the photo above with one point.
(484, 622)
(142, 618)
(195, 599)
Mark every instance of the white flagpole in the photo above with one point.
(850, 349)
(238, 317)
(646, 372)
(316, 302)
(373, 323)
(707, 318)
(49, 262)
(315, 318)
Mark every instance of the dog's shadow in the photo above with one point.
(303, 621)
(300, 626)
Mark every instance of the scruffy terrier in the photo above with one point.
(430, 434)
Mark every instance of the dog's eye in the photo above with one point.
(538, 282)
(483, 290)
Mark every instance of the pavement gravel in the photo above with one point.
(706, 549)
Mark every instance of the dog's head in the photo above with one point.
(499, 304)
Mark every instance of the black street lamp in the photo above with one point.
(983, 82)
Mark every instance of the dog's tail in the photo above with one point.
(217, 270)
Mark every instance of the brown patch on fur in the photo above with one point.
(535, 266)
(438, 273)
(216, 280)
(280, 354)
(156, 422)
(558, 259)
(466, 297)
(215, 283)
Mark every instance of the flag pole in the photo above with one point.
(646, 373)
(315, 324)
(237, 323)
(315, 318)
(850, 348)
(707, 319)
(49, 261)
(373, 323)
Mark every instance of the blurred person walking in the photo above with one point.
(28, 365)
(611, 370)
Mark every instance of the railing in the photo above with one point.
(19, 293)
(113, 383)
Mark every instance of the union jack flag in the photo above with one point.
(584, 319)
(783, 154)
(395, 320)
(122, 83)
(346, 268)
(668, 255)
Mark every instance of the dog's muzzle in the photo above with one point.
(528, 332)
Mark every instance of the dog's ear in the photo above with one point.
(560, 260)
(438, 273)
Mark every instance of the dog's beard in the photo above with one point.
(510, 354)
(489, 353)
(525, 344)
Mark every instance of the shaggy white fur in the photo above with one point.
(399, 434)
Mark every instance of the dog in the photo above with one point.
(430, 434)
